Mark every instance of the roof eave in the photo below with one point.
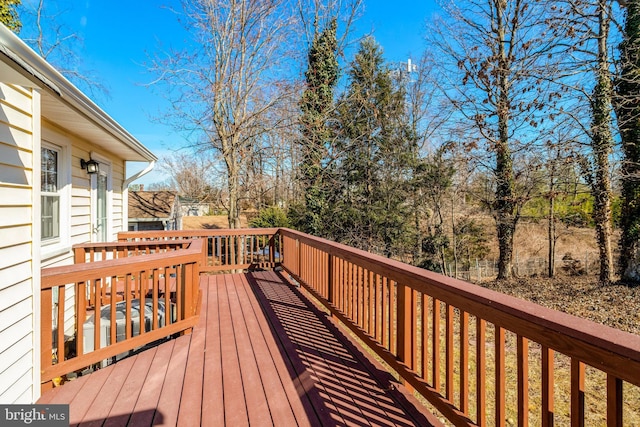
(42, 74)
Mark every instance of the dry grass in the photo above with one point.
(209, 222)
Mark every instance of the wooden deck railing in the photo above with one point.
(102, 251)
(478, 356)
(163, 285)
(224, 250)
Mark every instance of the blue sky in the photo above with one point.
(118, 36)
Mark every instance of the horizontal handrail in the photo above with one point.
(225, 249)
(395, 308)
(157, 293)
(100, 251)
(188, 234)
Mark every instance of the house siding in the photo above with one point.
(19, 274)
(81, 221)
(20, 249)
(118, 171)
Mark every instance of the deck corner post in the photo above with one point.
(272, 250)
(78, 255)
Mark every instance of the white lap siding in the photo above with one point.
(19, 273)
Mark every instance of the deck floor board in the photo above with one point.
(128, 395)
(146, 406)
(281, 396)
(261, 354)
(84, 399)
(191, 409)
(102, 404)
(212, 387)
(233, 393)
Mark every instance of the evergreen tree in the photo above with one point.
(317, 105)
(9, 14)
(370, 208)
(627, 110)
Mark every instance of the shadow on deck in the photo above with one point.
(261, 354)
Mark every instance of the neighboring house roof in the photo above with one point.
(152, 205)
(63, 103)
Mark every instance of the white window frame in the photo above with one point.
(61, 244)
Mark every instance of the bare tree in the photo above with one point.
(426, 113)
(192, 175)
(277, 152)
(44, 31)
(227, 78)
(315, 15)
(559, 180)
(496, 57)
(587, 27)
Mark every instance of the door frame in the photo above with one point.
(105, 169)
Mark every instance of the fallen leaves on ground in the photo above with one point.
(614, 305)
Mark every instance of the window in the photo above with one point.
(50, 194)
(55, 195)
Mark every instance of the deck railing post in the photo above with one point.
(404, 329)
(299, 253)
(330, 279)
(196, 278)
(204, 261)
(46, 334)
(404, 323)
(81, 314)
(186, 285)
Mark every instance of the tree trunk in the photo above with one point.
(233, 186)
(505, 202)
(552, 236)
(602, 143)
(505, 205)
(417, 246)
(602, 217)
(454, 242)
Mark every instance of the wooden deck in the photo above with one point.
(261, 354)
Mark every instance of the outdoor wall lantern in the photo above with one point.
(90, 165)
